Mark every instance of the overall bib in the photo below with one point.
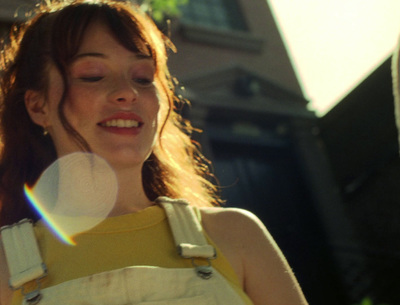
(147, 285)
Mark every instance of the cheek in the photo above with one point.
(72, 114)
(153, 104)
(78, 107)
(161, 107)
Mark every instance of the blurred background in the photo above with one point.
(322, 171)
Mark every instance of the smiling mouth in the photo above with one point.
(120, 123)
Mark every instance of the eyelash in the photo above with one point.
(140, 81)
(143, 81)
(91, 79)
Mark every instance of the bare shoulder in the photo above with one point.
(5, 291)
(238, 231)
(259, 263)
(228, 213)
(236, 224)
(232, 217)
(236, 228)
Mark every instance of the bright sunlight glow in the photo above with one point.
(47, 217)
(335, 44)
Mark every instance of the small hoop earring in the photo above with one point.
(45, 131)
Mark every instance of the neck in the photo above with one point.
(131, 195)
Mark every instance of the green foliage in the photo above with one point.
(368, 301)
(159, 9)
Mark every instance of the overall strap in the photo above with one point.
(22, 253)
(186, 229)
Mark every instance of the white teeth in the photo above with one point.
(121, 123)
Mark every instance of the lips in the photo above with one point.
(122, 122)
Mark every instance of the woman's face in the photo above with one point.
(112, 101)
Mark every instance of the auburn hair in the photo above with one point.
(175, 168)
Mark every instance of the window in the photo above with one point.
(222, 14)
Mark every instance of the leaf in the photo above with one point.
(162, 8)
(365, 301)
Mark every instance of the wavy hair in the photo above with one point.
(176, 168)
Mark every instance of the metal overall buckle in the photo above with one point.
(203, 271)
(32, 297)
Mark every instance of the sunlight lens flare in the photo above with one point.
(74, 194)
(57, 230)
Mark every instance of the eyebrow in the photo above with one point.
(101, 55)
(92, 54)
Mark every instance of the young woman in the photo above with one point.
(91, 76)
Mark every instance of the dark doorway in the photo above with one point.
(266, 180)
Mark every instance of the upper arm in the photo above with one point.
(5, 290)
(261, 266)
(268, 278)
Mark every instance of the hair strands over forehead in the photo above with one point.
(176, 168)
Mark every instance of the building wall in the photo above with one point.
(271, 60)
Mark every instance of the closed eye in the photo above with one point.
(143, 81)
(91, 79)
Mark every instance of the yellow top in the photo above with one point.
(138, 239)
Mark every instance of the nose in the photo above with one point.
(124, 92)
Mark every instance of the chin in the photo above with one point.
(125, 162)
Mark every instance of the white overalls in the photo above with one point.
(200, 285)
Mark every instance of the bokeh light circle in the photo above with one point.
(76, 192)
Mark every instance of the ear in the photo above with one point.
(37, 108)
